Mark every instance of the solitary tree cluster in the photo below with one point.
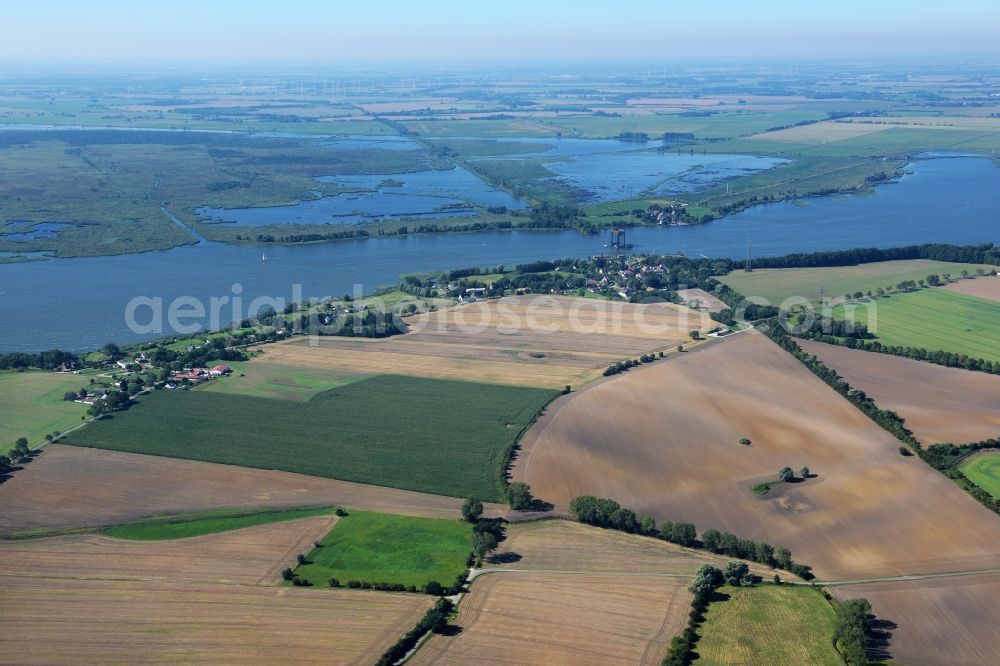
(472, 509)
(519, 495)
(852, 629)
(737, 574)
(483, 543)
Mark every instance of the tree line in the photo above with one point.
(985, 253)
(853, 631)
(603, 512)
(937, 357)
(706, 581)
(434, 620)
(46, 360)
(826, 327)
(703, 587)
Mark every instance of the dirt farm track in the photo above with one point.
(664, 440)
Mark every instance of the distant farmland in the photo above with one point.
(939, 404)
(777, 284)
(664, 440)
(428, 435)
(542, 341)
(938, 320)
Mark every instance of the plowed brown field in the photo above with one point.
(939, 404)
(544, 341)
(58, 621)
(255, 555)
(663, 440)
(983, 287)
(941, 621)
(69, 487)
(545, 618)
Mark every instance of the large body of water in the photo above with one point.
(629, 175)
(79, 304)
(612, 169)
(601, 169)
(432, 194)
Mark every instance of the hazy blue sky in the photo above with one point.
(394, 29)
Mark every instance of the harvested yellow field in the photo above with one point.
(70, 487)
(375, 360)
(817, 134)
(542, 341)
(664, 440)
(564, 545)
(544, 618)
(699, 298)
(250, 556)
(932, 122)
(65, 621)
(940, 621)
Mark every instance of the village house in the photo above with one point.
(193, 375)
(92, 397)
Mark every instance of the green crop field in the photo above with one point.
(32, 405)
(269, 380)
(984, 471)
(904, 141)
(768, 624)
(436, 436)
(383, 548)
(159, 528)
(777, 284)
(935, 319)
